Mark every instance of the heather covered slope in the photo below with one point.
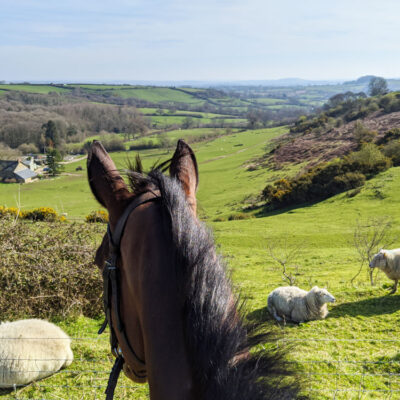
(331, 132)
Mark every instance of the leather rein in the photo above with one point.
(111, 296)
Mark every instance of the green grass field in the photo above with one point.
(353, 354)
(35, 88)
(157, 95)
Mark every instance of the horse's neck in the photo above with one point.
(154, 289)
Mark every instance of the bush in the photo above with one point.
(392, 150)
(392, 134)
(49, 270)
(144, 145)
(347, 181)
(97, 216)
(114, 144)
(10, 212)
(238, 216)
(38, 214)
(41, 214)
(28, 148)
(363, 135)
(369, 160)
(328, 179)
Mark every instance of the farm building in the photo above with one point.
(29, 162)
(15, 171)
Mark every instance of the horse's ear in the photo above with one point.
(184, 168)
(105, 180)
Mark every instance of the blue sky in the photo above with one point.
(209, 40)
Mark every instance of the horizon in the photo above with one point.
(176, 40)
(239, 82)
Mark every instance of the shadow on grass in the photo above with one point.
(260, 315)
(387, 304)
(263, 211)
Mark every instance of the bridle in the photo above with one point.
(111, 295)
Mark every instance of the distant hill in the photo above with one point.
(362, 80)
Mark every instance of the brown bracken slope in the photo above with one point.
(316, 147)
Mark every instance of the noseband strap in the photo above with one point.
(111, 295)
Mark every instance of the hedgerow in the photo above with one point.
(47, 270)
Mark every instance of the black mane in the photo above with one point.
(216, 332)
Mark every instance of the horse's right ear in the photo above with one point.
(184, 168)
(105, 180)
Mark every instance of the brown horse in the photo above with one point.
(180, 325)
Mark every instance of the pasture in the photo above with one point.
(354, 353)
(35, 88)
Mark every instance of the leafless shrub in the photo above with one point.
(369, 237)
(285, 254)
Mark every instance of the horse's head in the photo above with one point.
(147, 289)
(175, 318)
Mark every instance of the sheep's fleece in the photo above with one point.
(31, 349)
(389, 262)
(294, 304)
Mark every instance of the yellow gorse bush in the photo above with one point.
(97, 216)
(38, 214)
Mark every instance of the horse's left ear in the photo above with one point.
(184, 169)
(106, 182)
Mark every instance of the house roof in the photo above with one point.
(8, 165)
(27, 162)
(26, 174)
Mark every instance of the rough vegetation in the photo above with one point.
(47, 270)
(335, 130)
(326, 180)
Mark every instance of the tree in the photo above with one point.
(53, 157)
(188, 123)
(51, 134)
(253, 118)
(377, 86)
(368, 238)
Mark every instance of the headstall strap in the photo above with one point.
(111, 294)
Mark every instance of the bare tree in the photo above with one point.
(368, 238)
(285, 255)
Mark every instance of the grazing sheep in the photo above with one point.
(389, 262)
(31, 349)
(295, 304)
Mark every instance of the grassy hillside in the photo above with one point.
(354, 353)
(224, 155)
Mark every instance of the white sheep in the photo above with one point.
(294, 304)
(31, 349)
(389, 262)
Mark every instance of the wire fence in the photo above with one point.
(332, 368)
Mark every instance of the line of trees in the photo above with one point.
(28, 126)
